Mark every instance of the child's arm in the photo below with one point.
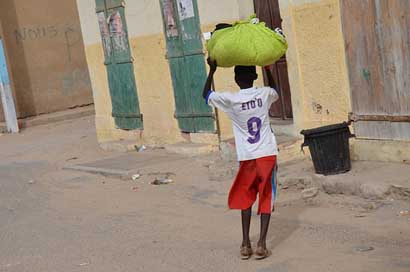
(271, 82)
(208, 84)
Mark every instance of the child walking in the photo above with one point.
(256, 149)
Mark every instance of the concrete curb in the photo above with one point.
(367, 190)
(120, 146)
(191, 149)
(122, 174)
(347, 187)
(57, 116)
(3, 128)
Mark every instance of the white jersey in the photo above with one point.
(249, 112)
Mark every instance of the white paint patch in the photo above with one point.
(207, 36)
(89, 22)
(8, 108)
(185, 9)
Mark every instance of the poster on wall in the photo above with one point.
(185, 9)
(169, 13)
(105, 34)
(119, 37)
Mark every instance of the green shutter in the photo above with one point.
(118, 61)
(187, 65)
(99, 6)
(110, 4)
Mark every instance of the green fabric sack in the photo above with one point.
(246, 43)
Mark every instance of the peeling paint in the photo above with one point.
(317, 108)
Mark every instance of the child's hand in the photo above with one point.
(212, 64)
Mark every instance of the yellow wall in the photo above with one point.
(380, 150)
(318, 74)
(152, 75)
(316, 62)
(317, 70)
(155, 89)
(151, 68)
(316, 65)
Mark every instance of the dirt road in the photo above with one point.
(60, 220)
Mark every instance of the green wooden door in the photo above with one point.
(187, 65)
(118, 61)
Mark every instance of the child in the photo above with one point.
(256, 149)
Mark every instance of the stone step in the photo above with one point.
(44, 119)
(121, 146)
(3, 128)
(191, 149)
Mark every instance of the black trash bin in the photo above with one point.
(329, 148)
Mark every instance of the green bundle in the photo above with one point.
(246, 43)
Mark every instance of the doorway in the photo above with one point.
(268, 11)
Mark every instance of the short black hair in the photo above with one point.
(222, 26)
(249, 71)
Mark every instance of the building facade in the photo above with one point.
(155, 47)
(45, 56)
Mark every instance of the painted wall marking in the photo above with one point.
(70, 34)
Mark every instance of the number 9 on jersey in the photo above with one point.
(254, 129)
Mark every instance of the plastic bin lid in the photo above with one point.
(307, 132)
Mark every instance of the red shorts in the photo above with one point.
(254, 176)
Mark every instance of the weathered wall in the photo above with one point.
(46, 55)
(316, 62)
(318, 74)
(154, 85)
(380, 150)
(152, 75)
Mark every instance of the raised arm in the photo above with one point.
(208, 83)
(271, 82)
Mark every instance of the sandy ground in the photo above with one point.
(59, 220)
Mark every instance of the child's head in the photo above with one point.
(245, 76)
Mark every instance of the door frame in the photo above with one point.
(279, 69)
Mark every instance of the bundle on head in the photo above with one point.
(246, 43)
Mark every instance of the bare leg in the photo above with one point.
(246, 249)
(265, 218)
(246, 224)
